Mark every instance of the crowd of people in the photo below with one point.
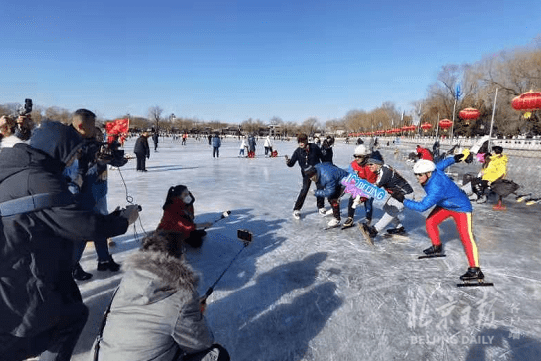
(442, 193)
(53, 187)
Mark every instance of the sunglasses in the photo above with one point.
(359, 156)
(419, 174)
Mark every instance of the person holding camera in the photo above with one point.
(17, 128)
(156, 313)
(41, 306)
(87, 180)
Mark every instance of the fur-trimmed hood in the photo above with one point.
(153, 276)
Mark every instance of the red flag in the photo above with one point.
(118, 126)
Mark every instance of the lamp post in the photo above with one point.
(453, 125)
(492, 120)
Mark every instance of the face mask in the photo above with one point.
(188, 199)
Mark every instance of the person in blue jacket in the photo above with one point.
(450, 202)
(216, 143)
(327, 178)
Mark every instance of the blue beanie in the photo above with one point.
(57, 140)
(375, 158)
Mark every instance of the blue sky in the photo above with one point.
(232, 60)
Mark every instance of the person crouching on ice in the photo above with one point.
(156, 313)
(178, 217)
(450, 201)
(389, 179)
(327, 178)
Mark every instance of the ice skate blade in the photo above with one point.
(431, 256)
(366, 236)
(346, 227)
(475, 284)
(399, 237)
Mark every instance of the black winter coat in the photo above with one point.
(306, 157)
(141, 147)
(36, 248)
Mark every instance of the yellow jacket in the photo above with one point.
(496, 168)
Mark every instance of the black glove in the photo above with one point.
(469, 158)
(398, 195)
(458, 157)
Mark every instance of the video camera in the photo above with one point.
(26, 109)
(105, 153)
(110, 154)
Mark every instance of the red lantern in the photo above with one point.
(426, 126)
(445, 124)
(527, 102)
(468, 114)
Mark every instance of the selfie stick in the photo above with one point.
(246, 238)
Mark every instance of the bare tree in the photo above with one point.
(154, 115)
(310, 126)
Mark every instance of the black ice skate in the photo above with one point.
(348, 223)
(432, 252)
(397, 233)
(399, 230)
(474, 277)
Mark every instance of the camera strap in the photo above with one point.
(35, 202)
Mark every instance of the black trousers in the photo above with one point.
(306, 183)
(141, 161)
(54, 344)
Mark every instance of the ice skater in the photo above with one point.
(326, 149)
(360, 169)
(327, 178)
(392, 182)
(306, 154)
(450, 201)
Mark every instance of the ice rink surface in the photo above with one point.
(299, 292)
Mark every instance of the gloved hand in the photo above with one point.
(458, 157)
(287, 158)
(148, 156)
(398, 195)
(131, 213)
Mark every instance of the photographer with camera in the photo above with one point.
(41, 306)
(18, 127)
(87, 178)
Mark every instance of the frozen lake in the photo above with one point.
(301, 293)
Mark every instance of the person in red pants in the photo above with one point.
(450, 201)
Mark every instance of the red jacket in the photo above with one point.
(424, 153)
(364, 172)
(177, 217)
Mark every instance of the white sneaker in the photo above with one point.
(323, 211)
(333, 223)
(297, 214)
